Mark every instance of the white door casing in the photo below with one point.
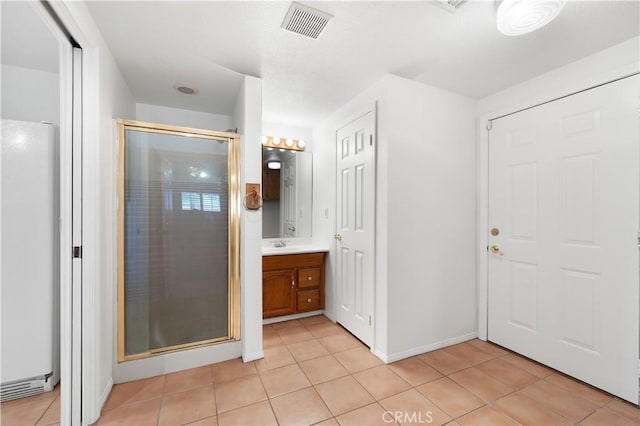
(564, 196)
(355, 222)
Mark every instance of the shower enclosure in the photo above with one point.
(178, 238)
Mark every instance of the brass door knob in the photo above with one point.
(338, 237)
(496, 250)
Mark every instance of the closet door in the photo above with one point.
(563, 237)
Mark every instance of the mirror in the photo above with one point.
(287, 193)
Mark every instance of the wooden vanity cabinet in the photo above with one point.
(292, 283)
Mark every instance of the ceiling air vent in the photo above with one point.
(305, 20)
(449, 5)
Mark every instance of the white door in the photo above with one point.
(355, 221)
(289, 197)
(563, 267)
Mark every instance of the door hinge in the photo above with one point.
(489, 125)
(370, 140)
(77, 252)
(369, 319)
(638, 238)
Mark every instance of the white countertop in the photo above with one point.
(293, 249)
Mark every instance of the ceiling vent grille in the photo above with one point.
(305, 20)
(449, 5)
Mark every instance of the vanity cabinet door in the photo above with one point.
(278, 293)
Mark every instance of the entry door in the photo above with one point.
(563, 237)
(355, 223)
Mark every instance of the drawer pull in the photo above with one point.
(309, 278)
(293, 283)
(309, 300)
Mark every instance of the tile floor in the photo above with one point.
(314, 372)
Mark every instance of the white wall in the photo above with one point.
(609, 64)
(30, 95)
(425, 245)
(181, 117)
(247, 117)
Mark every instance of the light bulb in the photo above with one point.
(302, 144)
(288, 142)
(265, 140)
(275, 141)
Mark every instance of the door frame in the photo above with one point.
(373, 108)
(484, 123)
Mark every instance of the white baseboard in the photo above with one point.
(331, 316)
(291, 317)
(252, 356)
(423, 349)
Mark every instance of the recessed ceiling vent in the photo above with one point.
(305, 20)
(449, 5)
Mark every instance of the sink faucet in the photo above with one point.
(280, 243)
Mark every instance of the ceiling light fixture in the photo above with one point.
(185, 89)
(516, 17)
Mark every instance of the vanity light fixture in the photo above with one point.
(282, 144)
(516, 17)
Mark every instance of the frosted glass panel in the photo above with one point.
(176, 236)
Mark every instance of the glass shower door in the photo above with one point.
(179, 241)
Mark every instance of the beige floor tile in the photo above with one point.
(381, 382)
(528, 365)
(370, 415)
(187, 379)
(275, 357)
(329, 422)
(302, 407)
(340, 342)
(294, 335)
(259, 414)
(284, 380)
(271, 341)
(526, 411)
(238, 393)
(25, 411)
(414, 409)
(488, 347)
(189, 406)
(268, 331)
(314, 320)
(138, 413)
(323, 369)
(626, 409)
(486, 416)
(357, 359)
(52, 415)
(470, 353)
(232, 369)
(607, 417)
(452, 398)
(343, 395)
(286, 324)
(415, 371)
(559, 400)
(481, 384)
(139, 390)
(507, 373)
(444, 362)
(325, 329)
(303, 351)
(579, 389)
(209, 421)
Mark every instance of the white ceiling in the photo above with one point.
(26, 40)
(210, 43)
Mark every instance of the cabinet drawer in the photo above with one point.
(308, 300)
(308, 277)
